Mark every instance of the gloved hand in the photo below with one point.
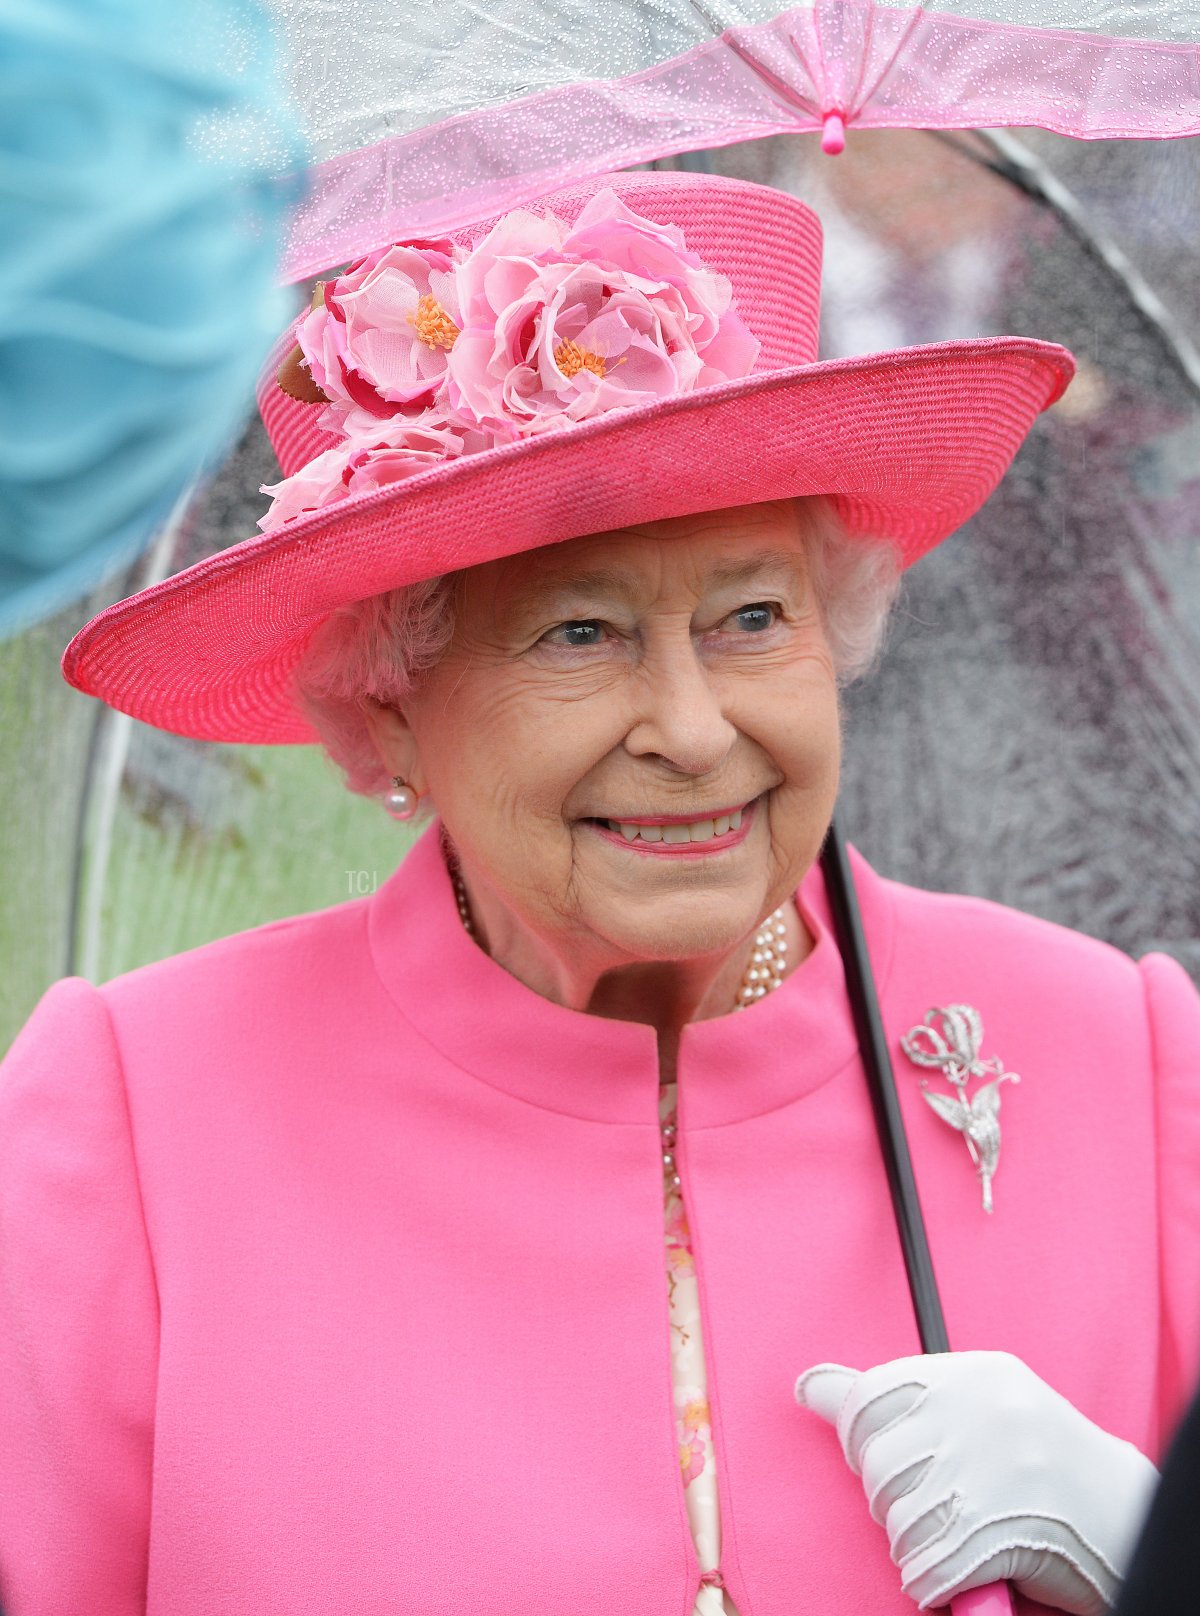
(981, 1473)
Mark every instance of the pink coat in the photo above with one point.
(332, 1276)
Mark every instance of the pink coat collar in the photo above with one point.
(488, 1023)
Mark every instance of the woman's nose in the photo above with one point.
(680, 717)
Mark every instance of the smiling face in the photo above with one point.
(632, 738)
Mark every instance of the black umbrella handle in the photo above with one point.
(994, 1599)
(864, 1003)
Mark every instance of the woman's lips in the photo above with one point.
(664, 837)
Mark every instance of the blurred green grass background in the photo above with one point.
(164, 843)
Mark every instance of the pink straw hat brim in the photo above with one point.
(909, 444)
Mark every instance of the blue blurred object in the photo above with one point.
(143, 146)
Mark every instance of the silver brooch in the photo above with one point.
(950, 1038)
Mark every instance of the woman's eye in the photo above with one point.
(577, 635)
(753, 619)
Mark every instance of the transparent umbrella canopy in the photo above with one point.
(1033, 731)
(423, 117)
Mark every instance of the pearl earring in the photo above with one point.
(401, 800)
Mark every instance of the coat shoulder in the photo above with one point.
(269, 964)
(979, 937)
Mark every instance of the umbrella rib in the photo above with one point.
(1017, 164)
(784, 91)
(862, 96)
(108, 751)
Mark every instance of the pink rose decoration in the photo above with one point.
(427, 353)
(406, 449)
(307, 490)
(656, 254)
(382, 337)
(614, 313)
(399, 449)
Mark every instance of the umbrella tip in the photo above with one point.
(833, 134)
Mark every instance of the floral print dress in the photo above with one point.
(693, 1429)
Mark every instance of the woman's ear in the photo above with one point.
(395, 743)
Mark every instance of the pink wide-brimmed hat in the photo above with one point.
(639, 347)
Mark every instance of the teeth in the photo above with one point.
(700, 830)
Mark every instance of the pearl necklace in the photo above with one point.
(768, 957)
(764, 973)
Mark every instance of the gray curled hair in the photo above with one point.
(380, 647)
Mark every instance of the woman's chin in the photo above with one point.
(693, 926)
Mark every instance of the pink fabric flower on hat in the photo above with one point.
(307, 490)
(614, 312)
(404, 449)
(380, 340)
(396, 450)
(655, 257)
(426, 352)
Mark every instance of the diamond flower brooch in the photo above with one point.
(949, 1040)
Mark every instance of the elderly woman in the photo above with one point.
(457, 1249)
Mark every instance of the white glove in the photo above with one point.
(981, 1473)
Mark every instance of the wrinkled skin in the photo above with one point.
(622, 676)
